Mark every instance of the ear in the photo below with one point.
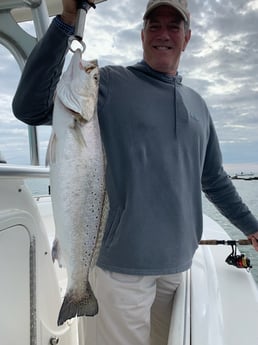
(142, 35)
(187, 39)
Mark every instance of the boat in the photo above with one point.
(217, 304)
(244, 176)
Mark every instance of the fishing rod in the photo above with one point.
(234, 259)
(243, 242)
(83, 6)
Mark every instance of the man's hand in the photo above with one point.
(70, 11)
(254, 239)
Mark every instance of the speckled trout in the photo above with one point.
(76, 162)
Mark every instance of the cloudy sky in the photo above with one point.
(221, 63)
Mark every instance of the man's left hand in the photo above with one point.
(254, 239)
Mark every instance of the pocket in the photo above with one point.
(112, 225)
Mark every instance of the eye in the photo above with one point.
(174, 27)
(154, 27)
(96, 77)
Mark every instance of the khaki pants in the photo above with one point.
(133, 310)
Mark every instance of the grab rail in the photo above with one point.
(21, 171)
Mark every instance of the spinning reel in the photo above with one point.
(234, 259)
(239, 261)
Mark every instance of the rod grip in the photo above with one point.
(242, 242)
(83, 7)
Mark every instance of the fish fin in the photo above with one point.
(51, 150)
(56, 252)
(78, 87)
(77, 133)
(73, 306)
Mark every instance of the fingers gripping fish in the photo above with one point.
(76, 162)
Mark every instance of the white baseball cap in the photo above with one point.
(179, 5)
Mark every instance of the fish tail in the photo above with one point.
(73, 306)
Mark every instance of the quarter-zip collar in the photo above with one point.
(173, 80)
(145, 68)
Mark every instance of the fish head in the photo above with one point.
(78, 88)
(89, 94)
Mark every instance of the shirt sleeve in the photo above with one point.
(66, 28)
(220, 190)
(34, 98)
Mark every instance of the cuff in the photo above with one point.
(67, 29)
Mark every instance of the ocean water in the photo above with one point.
(248, 190)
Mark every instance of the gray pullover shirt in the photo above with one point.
(162, 151)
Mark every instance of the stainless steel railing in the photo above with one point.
(21, 172)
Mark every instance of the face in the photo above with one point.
(163, 39)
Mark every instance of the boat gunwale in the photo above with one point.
(22, 171)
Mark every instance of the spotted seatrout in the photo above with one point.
(76, 162)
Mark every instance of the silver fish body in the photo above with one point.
(76, 162)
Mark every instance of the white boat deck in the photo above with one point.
(216, 305)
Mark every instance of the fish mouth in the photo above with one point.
(90, 68)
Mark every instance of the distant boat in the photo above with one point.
(244, 176)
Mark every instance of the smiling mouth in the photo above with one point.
(162, 48)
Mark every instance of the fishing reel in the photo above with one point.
(239, 261)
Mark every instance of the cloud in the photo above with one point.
(220, 63)
(222, 66)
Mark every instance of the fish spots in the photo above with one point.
(78, 177)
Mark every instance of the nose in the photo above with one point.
(163, 34)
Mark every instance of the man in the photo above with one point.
(162, 150)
